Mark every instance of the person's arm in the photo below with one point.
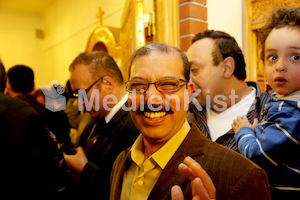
(202, 186)
(80, 164)
(279, 132)
(241, 122)
(77, 161)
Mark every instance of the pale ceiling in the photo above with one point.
(39, 6)
(32, 6)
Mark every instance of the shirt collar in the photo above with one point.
(256, 86)
(294, 96)
(116, 108)
(258, 94)
(164, 154)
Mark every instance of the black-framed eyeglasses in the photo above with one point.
(165, 85)
(75, 94)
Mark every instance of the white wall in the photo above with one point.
(18, 44)
(67, 25)
(227, 16)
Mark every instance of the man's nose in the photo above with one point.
(153, 94)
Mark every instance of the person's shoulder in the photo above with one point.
(219, 154)
(124, 154)
(284, 104)
(228, 155)
(228, 170)
(123, 119)
(15, 105)
(122, 159)
(18, 117)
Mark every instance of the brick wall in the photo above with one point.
(192, 20)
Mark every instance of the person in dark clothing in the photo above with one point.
(94, 77)
(29, 165)
(20, 84)
(3, 77)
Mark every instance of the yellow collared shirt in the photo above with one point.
(142, 175)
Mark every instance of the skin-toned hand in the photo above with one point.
(77, 161)
(202, 186)
(241, 122)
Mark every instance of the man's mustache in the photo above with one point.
(154, 108)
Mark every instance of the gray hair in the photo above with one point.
(163, 48)
(99, 64)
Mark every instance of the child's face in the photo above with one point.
(282, 60)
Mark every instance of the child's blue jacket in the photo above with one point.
(275, 143)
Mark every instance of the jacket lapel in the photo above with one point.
(191, 146)
(120, 168)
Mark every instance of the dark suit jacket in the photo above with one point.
(112, 139)
(57, 122)
(234, 176)
(27, 167)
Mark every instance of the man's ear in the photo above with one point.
(228, 67)
(108, 84)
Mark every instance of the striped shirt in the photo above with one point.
(200, 118)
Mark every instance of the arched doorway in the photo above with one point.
(103, 39)
(100, 47)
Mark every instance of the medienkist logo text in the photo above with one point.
(218, 101)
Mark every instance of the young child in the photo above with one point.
(274, 143)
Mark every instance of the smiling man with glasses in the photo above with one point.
(158, 80)
(94, 77)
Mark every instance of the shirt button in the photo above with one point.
(140, 182)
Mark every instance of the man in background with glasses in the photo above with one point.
(98, 83)
(159, 86)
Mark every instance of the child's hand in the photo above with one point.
(241, 122)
